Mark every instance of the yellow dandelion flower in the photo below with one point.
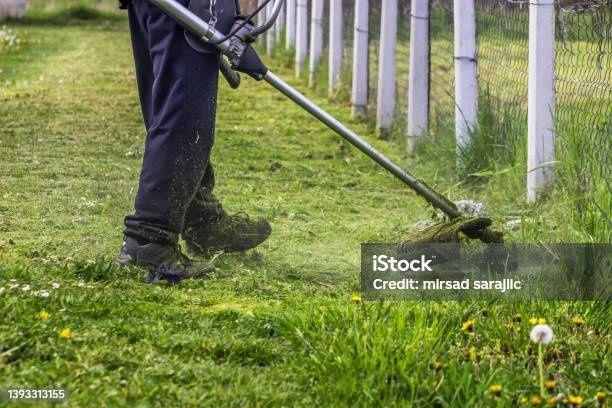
(439, 366)
(601, 395)
(535, 400)
(66, 333)
(552, 401)
(495, 389)
(356, 298)
(472, 353)
(468, 326)
(537, 320)
(43, 315)
(517, 318)
(550, 384)
(575, 400)
(578, 321)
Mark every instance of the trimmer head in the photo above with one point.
(457, 230)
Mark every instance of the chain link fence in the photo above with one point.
(584, 86)
(583, 70)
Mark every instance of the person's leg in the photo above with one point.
(181, 130)
(142, 59)
(204, 207)
(209, 228)
(178, 90)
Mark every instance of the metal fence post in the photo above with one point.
(301, 33)
(541, 104)
(386, 67)
(359, 94)
(466, 87)
(261, 18)
(335, 44)
(418, 81)
(270, 34)
(12, 9)
(290, 24)
(280, 24)
(316, 38)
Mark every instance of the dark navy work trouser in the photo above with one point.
(178, 95)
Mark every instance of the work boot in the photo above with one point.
(163, 261)
(225, 232)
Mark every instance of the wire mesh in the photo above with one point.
(403, 59)
(583, 67)
(502, 29)
(502, 46)
(374, 17)
(584, 74)
(441, 62)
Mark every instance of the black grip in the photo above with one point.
(232, 77)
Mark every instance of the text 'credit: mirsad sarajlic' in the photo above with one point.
(502, 285)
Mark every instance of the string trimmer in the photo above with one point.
(236, 47)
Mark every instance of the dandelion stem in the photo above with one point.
(541, 367)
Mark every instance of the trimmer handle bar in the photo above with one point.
(237, 48)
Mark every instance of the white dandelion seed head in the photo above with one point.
(55, 285)
(541, 333)
(81, 284)
(514, 225)
(43, 294)
(25, 288)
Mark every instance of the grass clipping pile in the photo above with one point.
(472, 226)
(457, 230)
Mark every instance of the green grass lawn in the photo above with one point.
(271, 327)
